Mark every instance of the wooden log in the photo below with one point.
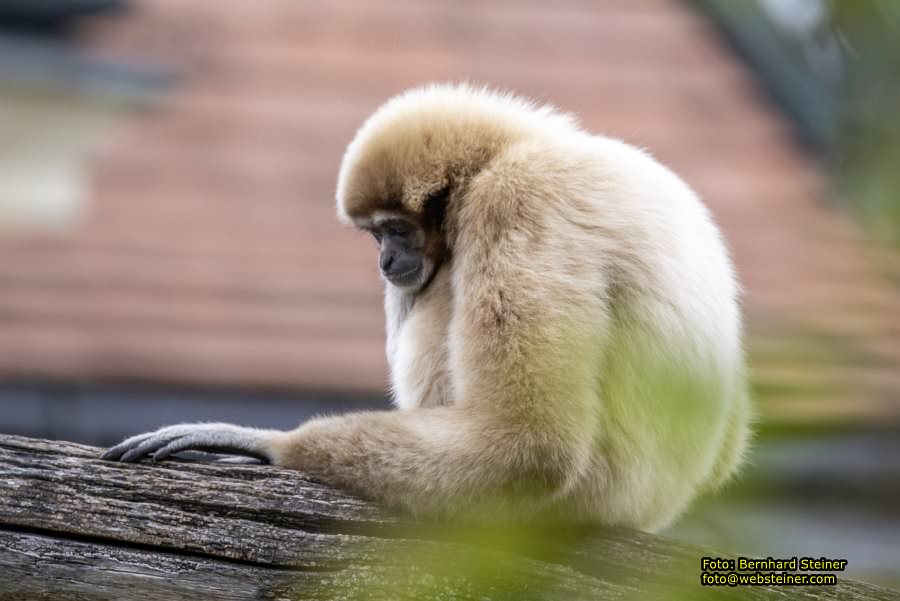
(73, 527)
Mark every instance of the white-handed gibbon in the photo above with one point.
(563, 328)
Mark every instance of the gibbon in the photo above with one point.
(563, 328)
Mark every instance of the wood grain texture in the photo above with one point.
(73, 527)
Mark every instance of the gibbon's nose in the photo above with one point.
(385, 262)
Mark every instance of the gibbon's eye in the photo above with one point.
(397, 229)
(376, 234)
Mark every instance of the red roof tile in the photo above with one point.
(212, 255)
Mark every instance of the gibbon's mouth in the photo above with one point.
(407, 278)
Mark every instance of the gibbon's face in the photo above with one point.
(411, 247)
(402, 258)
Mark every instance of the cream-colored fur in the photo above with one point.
(584, 336)
(577, 355)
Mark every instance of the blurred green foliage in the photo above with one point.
(866, 154)
(834, 68)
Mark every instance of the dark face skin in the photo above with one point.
(411, 247)
(403, 261)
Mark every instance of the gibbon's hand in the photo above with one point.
(211, 438)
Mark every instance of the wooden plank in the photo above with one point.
(88, 571)
(73, 527)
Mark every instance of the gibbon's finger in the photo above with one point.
(224, 440)
(115, 453)
(169, 433)
(240, 460)
(149, 446)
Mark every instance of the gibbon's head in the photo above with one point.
(413, 158)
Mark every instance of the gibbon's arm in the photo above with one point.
(523, 425)
(519, 434)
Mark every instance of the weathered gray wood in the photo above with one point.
(74, 527)
(89, 570)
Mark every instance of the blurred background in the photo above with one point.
(169, 250)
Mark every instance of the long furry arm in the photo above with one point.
(524, 370)
(524, 380)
